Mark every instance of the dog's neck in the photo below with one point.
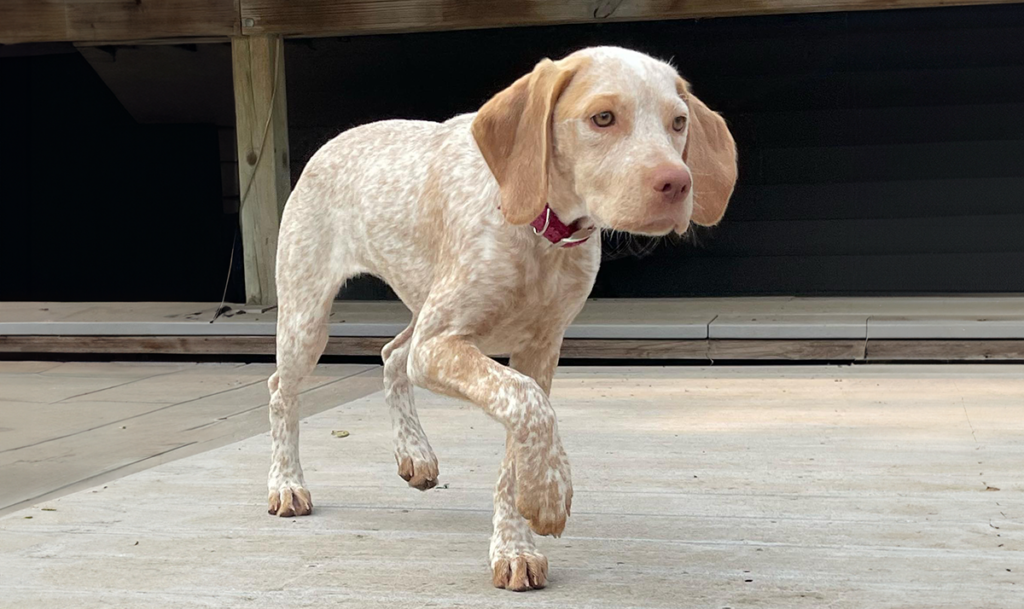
(551, 227)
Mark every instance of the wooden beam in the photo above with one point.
(691, 350)
(593, 348)
(790, 350)
(944, 350)
(135, 20)
(352, 17)
(177, 345)
(115, 20)
(264, 179)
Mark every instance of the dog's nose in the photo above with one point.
(672, 181)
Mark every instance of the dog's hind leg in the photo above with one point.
(306, 288)
(417, 464)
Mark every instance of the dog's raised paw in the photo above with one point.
(417, 463)
(289, 501)
(420, 473)
(520, 571)
(544, 492)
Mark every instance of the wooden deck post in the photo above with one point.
(261, 123)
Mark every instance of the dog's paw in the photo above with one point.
(417, 463)
(419, 471)
(519, 571)
(289, 500)
(544, 489)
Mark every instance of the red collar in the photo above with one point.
(551, 227)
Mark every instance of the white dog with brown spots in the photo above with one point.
(482, 225)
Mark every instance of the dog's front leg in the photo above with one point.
(453, 366)
(516, 563)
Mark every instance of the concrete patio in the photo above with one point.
(142, 485)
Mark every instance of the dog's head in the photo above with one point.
(611, 134)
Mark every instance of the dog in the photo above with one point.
(487, 227)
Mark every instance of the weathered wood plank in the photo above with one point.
(33, 21)
(702, 350)
(115, 20)
(819, 350)
(346, 345)
(261, 125)
(164, 345)
(351, 17)
(178, 345)
(945, 350)
(635, 349)
(350, 346)
(135, 20)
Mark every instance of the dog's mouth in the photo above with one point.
(656, 227)
(649, 225)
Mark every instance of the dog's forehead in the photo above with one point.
(614, 70)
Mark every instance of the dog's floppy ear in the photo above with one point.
(710, 153)
(513, 131)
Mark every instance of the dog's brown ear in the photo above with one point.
(513, 131)
(710, 153)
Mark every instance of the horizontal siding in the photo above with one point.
(660, 277)
(869, 88)
(872, 126)
(897, 199)
(938, 160)
(949, 235)
(880, 152)
(841, 49)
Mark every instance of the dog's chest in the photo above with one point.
(541, 301)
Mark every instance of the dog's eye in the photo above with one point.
(679, 123)
(604, 119)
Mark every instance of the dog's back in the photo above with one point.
(378, 194)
